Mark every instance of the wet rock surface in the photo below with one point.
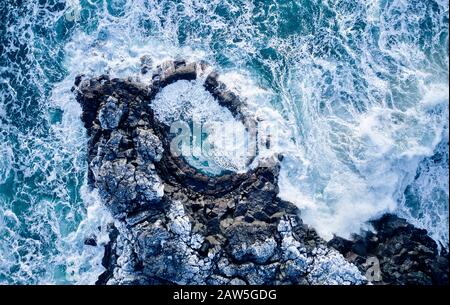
(175, 225)
(398, 252)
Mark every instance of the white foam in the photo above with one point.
(356, 113)
(359, 153)
(6, 157)
(225, 145)
(84, 262)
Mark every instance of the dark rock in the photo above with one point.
(110, 258)
(204, 248)
(251, 242)
(225, 97)
(146, 64)
(176, 225)
(78, 79)
(249, 218)
(110, 114)
(406, 255)
(340, 244)
(91, 241)
(175, 71)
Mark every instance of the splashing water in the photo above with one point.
(358, 89)
(213, 140)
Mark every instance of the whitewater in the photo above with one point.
(357, 90)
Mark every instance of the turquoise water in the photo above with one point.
(358, 89)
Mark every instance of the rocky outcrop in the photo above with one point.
(397, 252)
(177, 225)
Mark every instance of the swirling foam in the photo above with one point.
(357, 90)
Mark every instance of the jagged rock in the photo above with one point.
(176, 225)
(251, 242)
(402, 253)
(91, 241)
(110, 114)
(126, 188)
(146, 64)
(148, 146)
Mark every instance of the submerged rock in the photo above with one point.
(177, 225)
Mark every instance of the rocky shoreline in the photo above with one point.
(176, 225)
(405, 254)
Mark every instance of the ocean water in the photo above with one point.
(219, 139)
(358, 91)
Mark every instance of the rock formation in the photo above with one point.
(176, 225)
(400, 252)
